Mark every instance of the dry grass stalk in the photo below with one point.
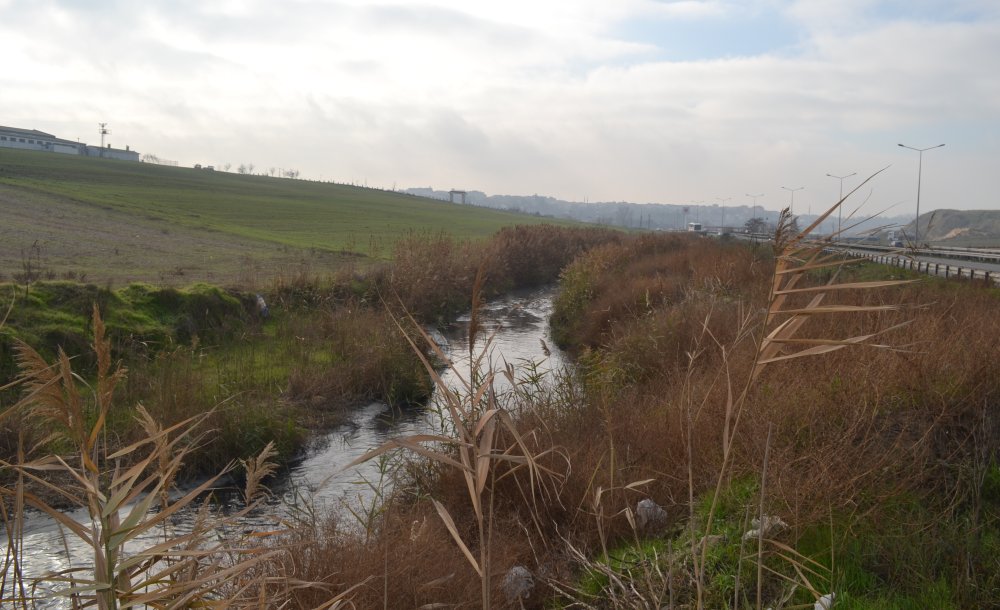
(796, 257)
(485, 436)
(761, 516)
(257, 469)
(11, 575)
(119, 489)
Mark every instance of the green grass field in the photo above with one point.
(122, 221)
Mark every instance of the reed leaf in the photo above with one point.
(449, 523)
(480, 429)
(848, 286)
(411, 443)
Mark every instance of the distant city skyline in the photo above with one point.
(634, 100)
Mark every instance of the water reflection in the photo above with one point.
(514, 329)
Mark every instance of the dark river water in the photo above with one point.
(516, 327)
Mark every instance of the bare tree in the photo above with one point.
(757, 225)
(624, 216)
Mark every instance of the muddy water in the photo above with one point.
(513, 331)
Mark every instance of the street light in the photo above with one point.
(753, 210)
(722, 229)
(697, 210)
(920, 168)
(841, 198)
(791, 207)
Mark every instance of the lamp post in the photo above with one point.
(841, 198)
(722, 229)
(753, 209)
(791, 206)
(920, 167)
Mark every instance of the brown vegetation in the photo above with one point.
(862, 444)
(706, 383)
(330, 343)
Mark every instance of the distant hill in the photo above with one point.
(971, 228)
(666, 216)
(615, 213)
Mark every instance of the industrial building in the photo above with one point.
(32, 139)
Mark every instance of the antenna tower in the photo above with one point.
(103, 131)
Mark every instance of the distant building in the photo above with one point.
(32, 139)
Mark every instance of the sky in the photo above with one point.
(663, 101)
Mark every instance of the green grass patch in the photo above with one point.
(140, 319)
(200, 220)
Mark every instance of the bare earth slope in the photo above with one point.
(972, 228)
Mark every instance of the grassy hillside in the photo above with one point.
(136, 221)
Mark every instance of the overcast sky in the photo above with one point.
(606, 100)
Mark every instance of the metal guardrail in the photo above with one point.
(968, 254)
(937, 269)
(894, 257)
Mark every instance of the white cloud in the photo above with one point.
(519, 97)
(686, 8)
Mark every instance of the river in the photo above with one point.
(517, 331)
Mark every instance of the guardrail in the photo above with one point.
(937, 269)
(968, 254)
(893, 257)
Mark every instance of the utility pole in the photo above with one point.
(920, 168)
(753, 208)
(791, 206)
(722, 228)
(840, 199)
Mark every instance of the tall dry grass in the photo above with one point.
(331, 347)
(433, 275)
(485, 447)
(859, 434)
(843, 442)
(687, 390)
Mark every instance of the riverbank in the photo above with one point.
(516, 325)
(329, 342)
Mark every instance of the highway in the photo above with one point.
(974, 263)
(936, 263)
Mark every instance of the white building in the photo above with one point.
(32, 139)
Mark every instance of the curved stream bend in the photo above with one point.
(518, 326)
